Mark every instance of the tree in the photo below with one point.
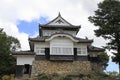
(107, 19)
(7, 44)
(113, 73)
(103, 60)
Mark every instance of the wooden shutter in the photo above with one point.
(75, 53)
(47, 53)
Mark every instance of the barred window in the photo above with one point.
(40, 50)
(61, 50)
(56, 50)
(81, 51)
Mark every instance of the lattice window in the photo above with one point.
(56, 50)
(67, 50)
(40, 50)
(61, 50)
(81, 51)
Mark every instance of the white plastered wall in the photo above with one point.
(40, 45)
(62, 42)
(25, 59)
(49, 32)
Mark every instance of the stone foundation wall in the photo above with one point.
(50, 67)
(96, 67)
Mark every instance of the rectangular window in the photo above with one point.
(61, 50)
(67, 50)
(81, 51)
(56, 50)
(40, 50)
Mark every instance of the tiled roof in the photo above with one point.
(58, 26)
(59, 21)
(23, 53)
(95, 49)
(40, 39)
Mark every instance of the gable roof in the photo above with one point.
(95, 49)
(59, 21)
(23, 52)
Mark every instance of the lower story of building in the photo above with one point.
(32, 65)
(50, 67)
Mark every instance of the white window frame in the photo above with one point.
(61, 50)
(82, 51)
(40, 50)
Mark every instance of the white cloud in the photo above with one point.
(75, 11)
(12, 30)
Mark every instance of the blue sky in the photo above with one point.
(31, 27)
(20, 18)
(112, 66)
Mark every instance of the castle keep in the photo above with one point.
(57, 50)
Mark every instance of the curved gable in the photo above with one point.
(62, 35)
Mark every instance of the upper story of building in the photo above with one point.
(57, 41)
(58, 38)
(58, 25)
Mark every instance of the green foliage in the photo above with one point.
(107, 19)
(103, 59)
(66, 78)
(42, 76)
(7, 62)
(76, 76)
(113, 73)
